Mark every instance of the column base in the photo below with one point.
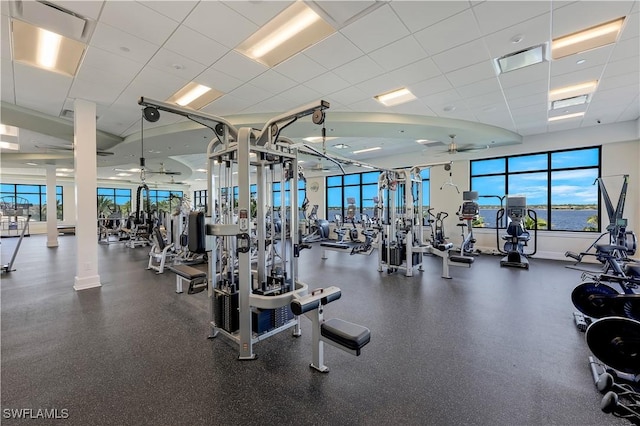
(52, 243)
(87, 282)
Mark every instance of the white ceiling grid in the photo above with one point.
(442, 51)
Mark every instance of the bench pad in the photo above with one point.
(461, 259)
(347, 334)
(187, 271)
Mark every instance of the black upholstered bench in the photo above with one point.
(196, 278)
(351, 336)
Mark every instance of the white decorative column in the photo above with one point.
(85, 164)
(52, 207)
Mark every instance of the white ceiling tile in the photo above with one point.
(524, 101)
(273, 104)
(301, 94)
(176, 10)
(632, 112)
(485, 100)
(563, 125)
(523, 75)
(358, 70)
(415, 107)
(494, 113)
(532, 33)
(462, 56)
(114, 40)
(533, 129)
(527, 89)
(4, 8)
(399, 54)
(587, 74)
(341, 13)
(444, 98)
(532, 112)
(161, 85)
(104, 94)
(300, 68)
(424, 69)
(348, 96)
(368, 105)
(251, 93)
(626, 49)
(622, 67)
(273, 82)
(497, 15)
(479, 87)
(617, 96)
(107, 66)
(417, 15)
(467, 75)
(227, 105)
(138, 20)
(220, 23)
(378, 85)
(584, 14)
(40, 90)
(333, 51)
(195, 46)
(631, 26)
(376, 29)
(173, 63)
(430, 86)
(5, 47)
(459, 113)
(622, 80)
(592, 57)
(259, 12)
(88, 9)
(327, 83)
(447, 34)
(218, 80)
(606, 115)
(8, 94)
(239, 66)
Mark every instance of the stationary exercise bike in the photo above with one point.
(468, 212)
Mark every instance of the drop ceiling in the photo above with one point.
(443, 51)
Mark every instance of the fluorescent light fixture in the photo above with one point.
(520, 59)
(10, 146)
(65, 170)
(31, 164)
(341, 146)
(566, 116)
(123, 174)
(572, 91)
(201, 170)
(568, 102)
(315, 139)
(61, 175)
(45, 49)
(395, 97)
(8, 130)
(290, 32)
(375, 148)
(194, 96)
(591, 38)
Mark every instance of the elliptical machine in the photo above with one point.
(517, 236)
(468, 212)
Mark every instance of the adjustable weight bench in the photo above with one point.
(336, 332)
(196, 278)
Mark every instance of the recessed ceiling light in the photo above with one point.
(568, 102)
(566, 116)
(580, 61)
(178, 67)
(523, 58)
(201, 170)
(195, 96)
(123, 174)
(574, 90)
(315, 139)
(449, 108)
(341, 146)
(426, 141)
(517, 39)
(395, 97)
(367, 150)
(591, 38)
(41, 48)
(8, 130)
(293, 30)
(32, 164)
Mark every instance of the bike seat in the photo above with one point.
(632, 270)
(461, 224)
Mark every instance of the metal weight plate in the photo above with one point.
(151, 114)
(616, 342)
(318, 116)
(585, 298)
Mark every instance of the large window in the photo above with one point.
(160, 199)
(558, 186)
(112, 200)
(36, 196)
(200, 200)
(362, 187)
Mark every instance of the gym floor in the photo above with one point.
(492, 346)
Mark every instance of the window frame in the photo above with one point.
(41, 193)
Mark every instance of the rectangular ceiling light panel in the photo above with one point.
(569, 102)
(45, 49)
(194, 95)
(293, 30)
(395, 97)
(360, 151)
(523, 58)
(566, 116)
(591, 38)
(573, 91)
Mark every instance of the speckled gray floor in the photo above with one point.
(491, 346)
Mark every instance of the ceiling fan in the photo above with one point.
(454, 148)
(69, 148)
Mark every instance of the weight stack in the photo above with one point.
(227, 316)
